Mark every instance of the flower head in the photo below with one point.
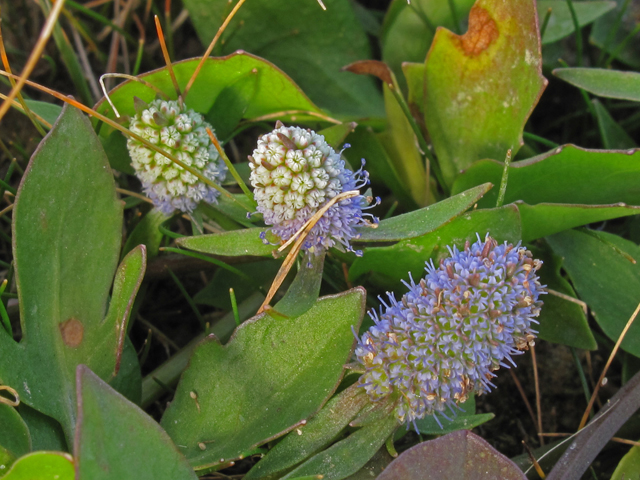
(294, 173)
(444, 338)
(181, 132)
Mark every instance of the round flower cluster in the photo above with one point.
(294, 173)
(441, 342)
(180, 132)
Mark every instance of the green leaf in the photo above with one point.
(128, 381)
(49, 111)
(629, 466)
(414, 75)
(603, 82)
(567, 174)
(15, 440)
(547, 218)
(561, 321)
(272, 375)
(482, 86)
(337, 134)
(349, 455)
(613, 135)
(425, 220)
(115, 146)
(232, 244)
(146, 233)
(408, 29)
(115, 439)
(457, 456)
(46, 433)
(42, 466)
(308, 43)
(410, 255)
(373, 467)
(320, 431)
(216, 75)
(232, 104)
(608, 34)
(67, 225)
(305, 288)
(561, 22)
(604, 278)
(464, 420)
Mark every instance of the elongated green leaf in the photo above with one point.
(561, 22)
(425, 220)
(349, 455)
(115, 439)
(232, 104)
(146, 233)
(42, 466)
(14, 434)
(392, 263)
(561, 321)
(460, 455)
(305, 288)
(567, 174)
(546, 218)
(608, 33)
(67, 233)
(481, 87)
(271, 376)
(603, 82)
(373, 467)
(216, 75)
(414, 75)
(409, 28)
(613, 135)
(308, 43)
(46, 433)
(604, 278)
(231, 244)
(465, 419)
(321, 430)
(629, 466)
(49, 111)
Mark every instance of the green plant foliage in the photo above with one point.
(305, 288)
(15, 440)
(482, 86)
(561, 321)
(231, 244)
(601, 271)
(603, 82)
(410, 255)
(42, 466)
(347, 456)
(456, 456)
(66, 243)
(465, 419)
(45, 432)
(146, 233)
(612, 31)
(567, 174)
(308, 43)
(292, 364)
(425, 220)
(318, 433)
(115, 439)
(613, 135)
(629, 466)
(409, 29)
(561, 24)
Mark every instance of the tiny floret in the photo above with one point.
(181, 132)
(442, 341)
(295, 173)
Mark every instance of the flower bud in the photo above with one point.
(294, 173)
(441, 342)
(181, 132)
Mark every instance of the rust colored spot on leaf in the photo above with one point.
(483, 31)
(72, 332)
(371, 67)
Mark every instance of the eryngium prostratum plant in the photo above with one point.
(181, 132)
(294, 173)
(444, 338)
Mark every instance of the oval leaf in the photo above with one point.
(603, 82)
(42, 466)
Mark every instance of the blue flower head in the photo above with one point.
(294, 173)
(181, 132)
(442, 341)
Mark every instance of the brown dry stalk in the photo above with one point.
(165, 54)
(6, 401)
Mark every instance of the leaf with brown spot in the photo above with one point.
(67, 226)
(482, 86)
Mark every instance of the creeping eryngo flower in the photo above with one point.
(444, 338)
(294, 173)
(179, 131)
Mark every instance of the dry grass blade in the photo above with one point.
(537, 388)
(585, 417)
(5, 400)
(210, 47)
(17, 105)
(277, 115)
(299, 237)
(35, 55)
(165, 54)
